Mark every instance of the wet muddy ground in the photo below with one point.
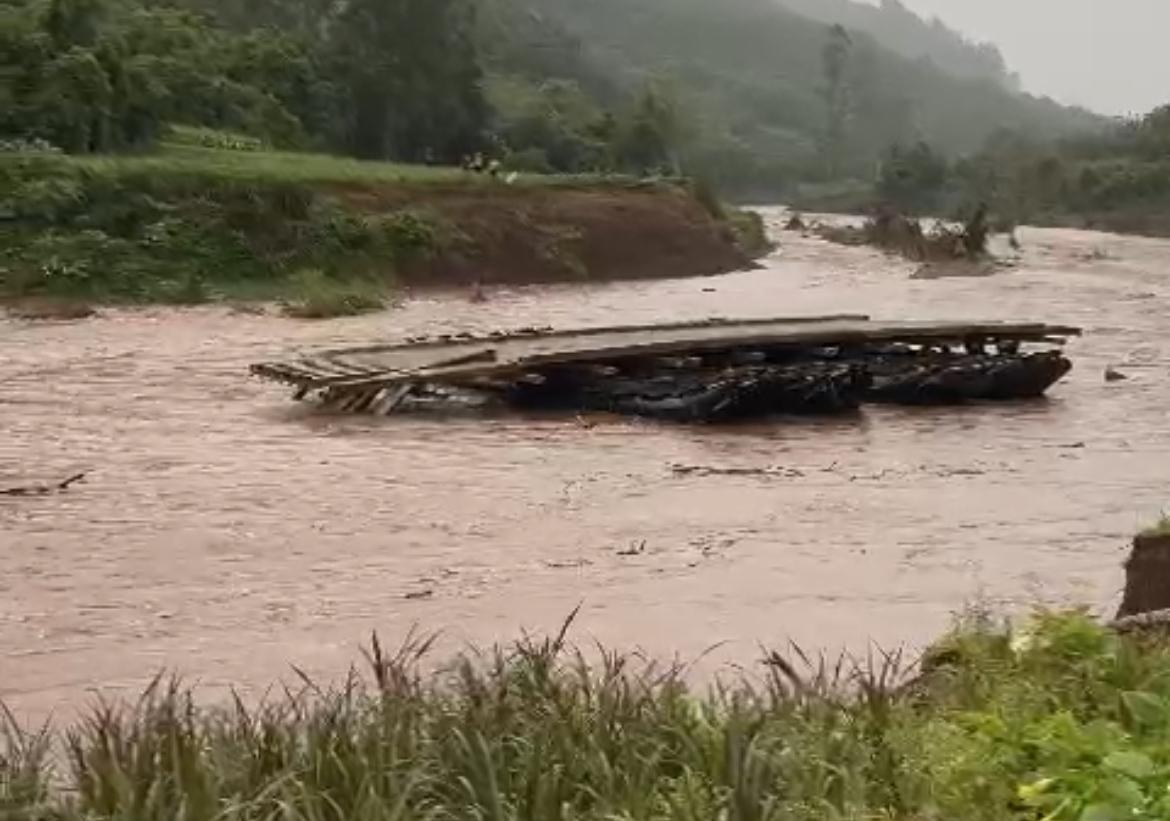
(225, 533)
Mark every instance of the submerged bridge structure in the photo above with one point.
(712, 370)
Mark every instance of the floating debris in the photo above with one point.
(43, 490)
(704, 470)
(899, 233)
(712, 371)
(636, 549)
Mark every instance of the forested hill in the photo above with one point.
(744, 93)
(904, 32)
(751, 80)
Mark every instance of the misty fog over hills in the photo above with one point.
(1109, 57)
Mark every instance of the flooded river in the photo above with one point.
(225, 533)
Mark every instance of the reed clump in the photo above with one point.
(1062, 719)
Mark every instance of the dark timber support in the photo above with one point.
(718, 370)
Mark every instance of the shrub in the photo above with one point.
(50, 200)
(707, 197)
(410, 235)
(749, 231)
(1061, 720)
(1159, 528)
(212, 138)
(529, 160)
(318, 296)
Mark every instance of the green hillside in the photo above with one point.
(749, 79)
(901, 30)
(746, 94)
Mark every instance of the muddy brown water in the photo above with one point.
(225, 533)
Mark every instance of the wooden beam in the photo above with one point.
(458, 362)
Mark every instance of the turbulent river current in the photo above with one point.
(224, 533)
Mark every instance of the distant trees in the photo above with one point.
(556, 126)
(401, 79)
(553, 126)
(87, 76)
(68, 79)
(650, 138)
(835, 60)
(73, 22)
(913, 178)
(375, 78)
(1119, 180)
(410, 77)
(900, 29)
(743, 93)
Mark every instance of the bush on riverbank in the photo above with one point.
(1117, 180)
(897, 233)
(1064, 720)
(188, 225)
(1159, 528)
(191, 223)
(749, 231)
(317, 296)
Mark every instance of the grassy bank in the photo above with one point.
(264, 165)
(1064, 721)
(190, 224)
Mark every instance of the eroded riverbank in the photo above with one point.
(223, 533)
(330, 237)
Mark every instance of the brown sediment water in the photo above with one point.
(225, 533)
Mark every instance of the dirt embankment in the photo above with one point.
(502, 235)
(124, 232)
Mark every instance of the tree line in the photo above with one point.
(744, 94)
(903, 31)
(386, 79)
(1117, 179)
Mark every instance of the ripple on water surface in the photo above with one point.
(226, 533)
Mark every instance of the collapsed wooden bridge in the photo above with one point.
(713, 370)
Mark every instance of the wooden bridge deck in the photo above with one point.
(455, 359)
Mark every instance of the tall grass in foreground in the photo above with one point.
(1063, 721)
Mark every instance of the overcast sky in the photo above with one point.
(1108, 55)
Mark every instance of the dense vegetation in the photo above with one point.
(745, 93)
(191, 223)
(1064, 720)
(398, 80)
(187, 223)
(769, 97)
(901, 30)
(100, 75)
(1118, 179)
